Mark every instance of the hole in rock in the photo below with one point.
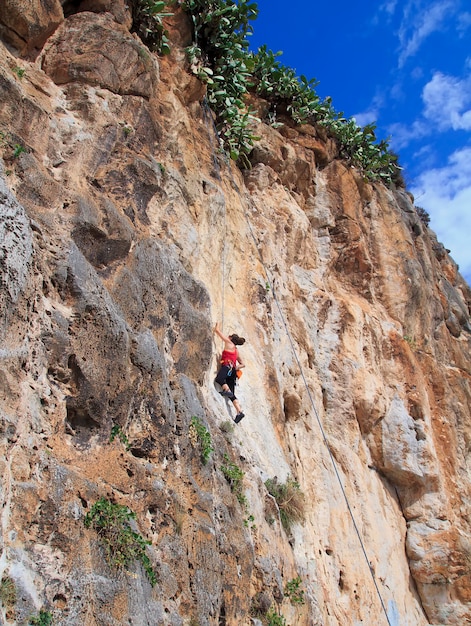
(79, 418)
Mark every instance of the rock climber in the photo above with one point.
(231, 363)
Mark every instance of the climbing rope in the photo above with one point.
(209, 119)
(270, 285)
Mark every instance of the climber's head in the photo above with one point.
(236, 340)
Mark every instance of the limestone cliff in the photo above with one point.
(125, 235)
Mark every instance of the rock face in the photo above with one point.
(123, 238)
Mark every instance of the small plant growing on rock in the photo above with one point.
(275, 619)
(227, 428)
(17, 150)
(294, 591)
(19, 71)
(423, 215)
(411, 341)
(122, 545)
(127, 130)
(200, 437)
(7, 592)
(249, 522)
(234, 476)
(290, 500)
(43, 619)
(117, 431)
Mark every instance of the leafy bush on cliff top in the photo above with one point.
(220, 57)
(220, 52)
(147, 22)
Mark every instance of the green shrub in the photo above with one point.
(19, 71)
(275, 619)
(43, 619)
(234, 476)
(116, 431)
(423, 215)
(17, 150)
(294, 591)
(122, 545)
(147, 22)
(219, 57)
(7, 592)
(296, 96)
(201, 437)
(227, 428)
(290, 500)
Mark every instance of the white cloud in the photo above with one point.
(445, 193)
(402, 134)
(366, 117)
(419, 23)
(464, 22)
(447, 106)
(447, 101)
(389, 6)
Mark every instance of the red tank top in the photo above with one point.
(229, 358)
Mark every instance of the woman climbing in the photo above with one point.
(231, 363)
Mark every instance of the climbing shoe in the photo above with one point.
(238, 417)
(227, 394)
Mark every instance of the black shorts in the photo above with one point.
(227, 375)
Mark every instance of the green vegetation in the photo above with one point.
(147, 22)
(290, 500)
(43, 619)
(275, 619)
(122, 545)
(227, 428)
(249, 522)
(7, 592)
(294, 590)
(219, 56)
(7, 141)
(19, 71)
(200, 437)
(234, 476)
(117, 431)
(411, 341)
(423, 215)
(17, 150)
(127, 129)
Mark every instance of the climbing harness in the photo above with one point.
(270, 288)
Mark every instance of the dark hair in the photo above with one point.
(236, 340)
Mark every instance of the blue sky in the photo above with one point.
(406, 65)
